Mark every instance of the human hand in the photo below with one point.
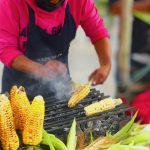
(99, 75)
(49, 70)
(54, 68)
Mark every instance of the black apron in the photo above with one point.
(42, 47)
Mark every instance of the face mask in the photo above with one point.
(47, 5)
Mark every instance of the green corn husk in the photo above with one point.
(101, 143)
(139, 138)
(46, 140)
(72, 138)
(125, 131)
(53, 142)
(38, 148)
(147, 143)
(91, 137)
(127, 147)
(146, 128)
(136, 129)
(58, 144)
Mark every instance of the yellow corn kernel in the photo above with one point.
(32, 133)
(79, 95)
(103, 105)
(8, 135)
(20, 106)
(13, 106)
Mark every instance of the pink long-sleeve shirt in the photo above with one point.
(14, 18)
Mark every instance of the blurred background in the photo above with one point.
(130, 39)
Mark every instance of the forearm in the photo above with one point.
(103, 50)
(23, 64)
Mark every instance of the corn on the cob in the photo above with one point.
(79, 95)
(13, 106)
(33, 129)
(8, 135)
(20, 106)
(102, 105)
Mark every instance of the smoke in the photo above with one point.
(58, 85)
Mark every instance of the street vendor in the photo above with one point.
(35, 36)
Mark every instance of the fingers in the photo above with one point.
(91, 78)
(97, 79)
(98, 76)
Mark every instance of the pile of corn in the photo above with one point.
(16, 113)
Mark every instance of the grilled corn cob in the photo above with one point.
(13, 106)
(79, 95)
(8, 135)
(20, 106)
(101, 106)
(33, 129)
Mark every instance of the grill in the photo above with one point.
(59, 117)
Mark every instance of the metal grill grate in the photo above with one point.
(59, 117)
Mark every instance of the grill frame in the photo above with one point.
(58, 116)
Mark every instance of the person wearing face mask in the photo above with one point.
(35, 36)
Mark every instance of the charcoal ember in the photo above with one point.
(114, 118)
(102, 132)
(80, 113)
(122, 116)
(99, 132)
(98, 123)
(83, 126)
(90, 124)
(66, 129)
(110, 123)
(100, 128)
(114, 127)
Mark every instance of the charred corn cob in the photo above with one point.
(8, 135)
(33, 129)
(79, 95)
(20, 106)
(101, 106)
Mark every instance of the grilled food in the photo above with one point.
(8, 135)
(13, 105)
(33, 129)
(20, 106)
(80, 93)
(101, 106)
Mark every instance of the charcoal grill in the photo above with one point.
(59, 117)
